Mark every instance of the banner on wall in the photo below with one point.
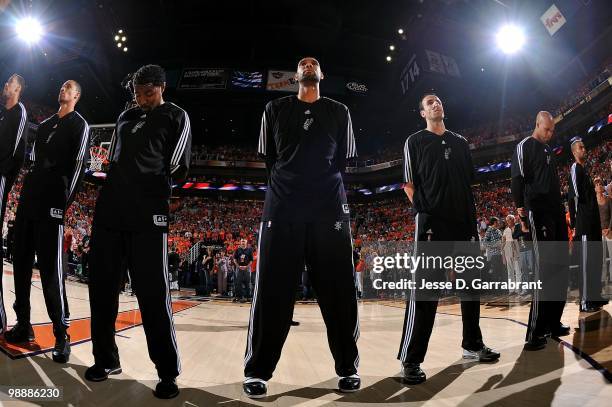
(202, 79)
(282, 81)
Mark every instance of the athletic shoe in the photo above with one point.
(254, 388)
(560, 330)
(98, 374)
(61, 351)
(412, 373)
(537, 343)
(166, 388)
(483, 355)
(19, 333)
(349, 384)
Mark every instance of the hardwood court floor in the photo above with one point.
(211, 337)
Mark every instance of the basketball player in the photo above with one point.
(535, 188)
(305, 140)
(438, 172)
(60, 148)
(584, 219)
(13, 135)
(150, 151)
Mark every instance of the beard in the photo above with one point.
(309, 78)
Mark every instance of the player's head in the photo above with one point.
(308, 71)
(15, 85)
(545, 126)
(243, 243)
(578, 150)
(430, 107)
(149, 84)
(70, 92)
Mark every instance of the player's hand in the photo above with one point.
(521, 212)
(604, 232)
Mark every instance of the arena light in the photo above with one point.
(389, 58)
(29, 30)
(400, 31)
(510, 39)
(125, 49)
(391, 47)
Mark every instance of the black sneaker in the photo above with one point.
(254, 388)
(166, 389)
(61, 351)
(560, 330)
(412, 373)
(483, 355)
(536, 343)
(20, 333)
(98, 374)
(349, 384)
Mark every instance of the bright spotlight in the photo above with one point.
(119, 45)
(29, 30)
(388, 58)
(123, 39)
(125, 49)
(400, 31)
(120, 31)
(391, 47)
(510, 39)
(116, 38)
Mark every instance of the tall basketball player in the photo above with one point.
(13, 134)
(438, 172)
(305, 140)
(59, 151)
(536, 192)
(150, 150)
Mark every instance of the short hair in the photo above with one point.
(492, 220)
(421, 107)
(19, 80)
(150, 74)
(77, 86)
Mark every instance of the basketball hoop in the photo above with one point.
(99, 157)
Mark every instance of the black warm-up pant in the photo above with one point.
(551, 267)
(590, 258)
(6, 183)
(43, 238)
(421, 305)
(283, 250)
(146, 256)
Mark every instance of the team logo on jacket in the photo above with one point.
(307, 123)
(345, 209)
(338, 226)
(138, 127)
(307, 111)
(57, 213)
(160, 220)
(447, 152)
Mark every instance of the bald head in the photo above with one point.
(544, 127)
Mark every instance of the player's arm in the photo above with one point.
(81, 148)
(575, 182)
(266, 148)
(347, 145)
(410, 166)
(19, 144)
(518, 171)
(181, 153)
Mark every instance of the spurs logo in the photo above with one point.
(138, 126)
(338, 226)
(308, 123)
